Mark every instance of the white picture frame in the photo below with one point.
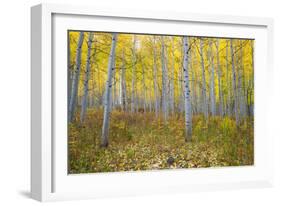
(49, 178)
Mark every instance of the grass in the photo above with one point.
(142, 142)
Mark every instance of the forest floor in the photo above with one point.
(142, 142)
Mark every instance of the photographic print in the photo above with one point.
(147, 102)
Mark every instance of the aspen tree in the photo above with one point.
(108, 88)
(204, 96)
(221, 112)
(212, 80)
(133, 97)
(187, 102)
(155, 78)
(234, 87)
(75, 81)
(86, 79)
(164, 81)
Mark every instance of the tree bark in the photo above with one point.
(133, 98)
(234, 87)
(227, 81)
(123, 85)
(75, 81)
(113, 83)
(212, 81)
(114, 93)
(86, 80)
(172, 88)
(221, 112)
(143, 87)
(204, 96)
(242, 102)
(193, 83)
(107, 97)
(187, 102)
(155, 78)
(164, 81)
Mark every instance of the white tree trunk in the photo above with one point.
(86, 80)
(234, 87)
(180, 88)
(168, 97)
(164, 81)
(120, 86)
(99, 85)
(123, 97)
(155, 78)
(187, 102)
(221, 112)
(75, 81)
(107, 96)
(150, 101)
(113, 83)
(114, 93)
(212, 81)
(172, 88)
(144, 88)
(242, 101)
(193, 83)
(228, 104)
(204, 95)
(133, 97)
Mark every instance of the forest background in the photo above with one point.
(142, 97)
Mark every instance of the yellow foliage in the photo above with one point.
(101, 47)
